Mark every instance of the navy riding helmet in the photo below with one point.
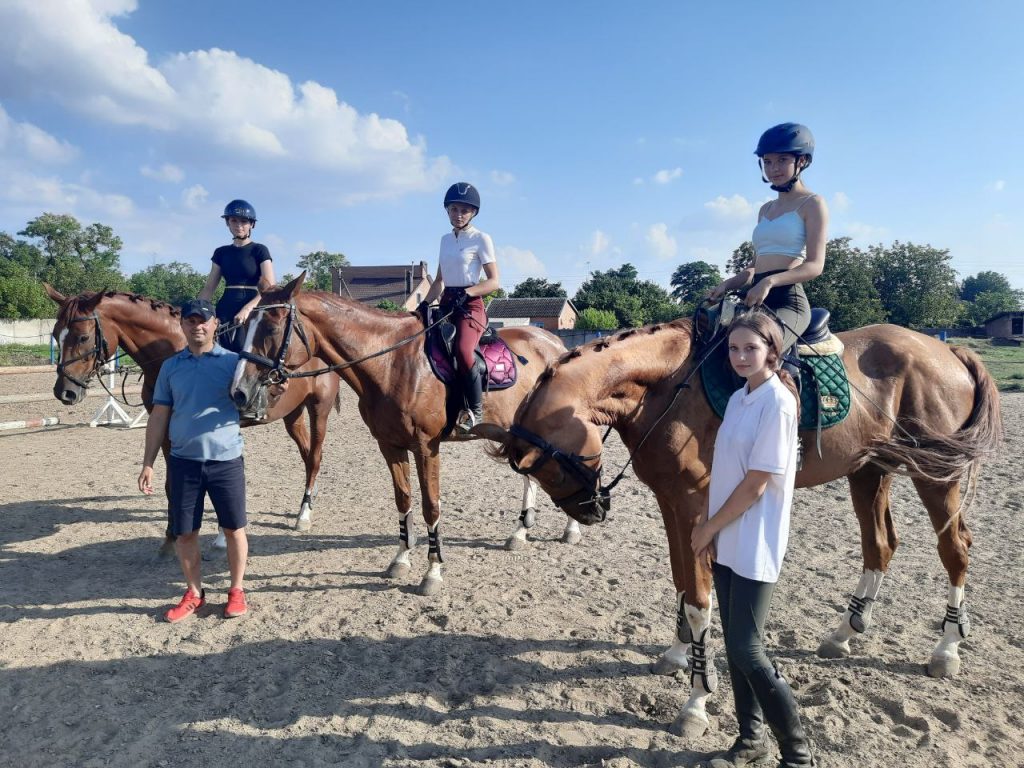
(462, 192)
(241, 209)
(790, 139)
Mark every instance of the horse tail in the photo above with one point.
(922, 453)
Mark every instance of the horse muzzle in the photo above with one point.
(586, 506)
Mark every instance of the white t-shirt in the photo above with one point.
(462, 257)
(758, 432)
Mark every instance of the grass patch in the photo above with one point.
(24, 354)
(1006, 364)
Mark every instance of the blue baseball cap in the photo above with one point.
(200, 307)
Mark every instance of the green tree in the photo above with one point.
(537, 288)
(984, 282)
(497, 293)
(389, 306)
(591, 319)
(174, 282)
(916, 284)
(634, 302)
(76, 259)
(989, 303)
(21, 294)
(691, 282)
(845, 287)
(318, 268)
(741, 258)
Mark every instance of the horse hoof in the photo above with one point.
(429, 587)
(515, 543)
(830, 649)
(397, 571)
(689, 725)
(944, 666)
(666, 666)
(303, 524)
(572, 537)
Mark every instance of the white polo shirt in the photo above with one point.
(463, 255)
(758, 432)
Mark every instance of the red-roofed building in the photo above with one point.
(405, 285)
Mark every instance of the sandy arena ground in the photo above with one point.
(526, 659)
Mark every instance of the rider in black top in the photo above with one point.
(246, 268)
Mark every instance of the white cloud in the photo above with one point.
(662, 244)
(26, 190)
(865, 233)
(735, 208)
(517, 264)
(638, 182)
(998, 185)
(502, 178)
(194, 197)
(166, 172)
(667, 176)
(599, 243)
(28, 140)
(840, 202)
(71, 51)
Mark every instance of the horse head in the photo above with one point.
(86, 341)
(550, 441)
(270, 353)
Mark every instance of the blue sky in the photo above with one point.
(597, 132)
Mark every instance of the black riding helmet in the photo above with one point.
(241, 209)
(462, 192)
(790, 139)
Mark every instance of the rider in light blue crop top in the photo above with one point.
(785, 235)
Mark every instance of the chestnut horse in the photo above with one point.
(919, 408)
(91, 327)
(380, 355)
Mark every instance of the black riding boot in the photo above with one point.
(781, 713)
(473, 390)
(751, 747)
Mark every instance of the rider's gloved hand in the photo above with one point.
(460, 300)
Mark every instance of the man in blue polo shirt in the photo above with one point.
(191, 402)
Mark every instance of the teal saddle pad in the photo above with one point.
(825, 388)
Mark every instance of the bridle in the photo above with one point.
(100, 350)
(590, 492)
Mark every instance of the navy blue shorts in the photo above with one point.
(192, 481)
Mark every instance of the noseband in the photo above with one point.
(100, 350)
(278, 371)
(591, 490)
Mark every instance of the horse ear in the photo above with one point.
(491, 432)
(54, 294)
(89, 304)
(295, 286)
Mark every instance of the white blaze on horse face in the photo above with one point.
(60, 342)
(250, 334)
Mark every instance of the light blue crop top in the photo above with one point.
(785, 235)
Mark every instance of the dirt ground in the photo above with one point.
(534, 658)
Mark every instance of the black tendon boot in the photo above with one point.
(473, 389)
(751, 747)
(783, 717)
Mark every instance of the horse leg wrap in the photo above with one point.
(857, 607)
(434, 543)
(527, 519)
(699, 666)
(683, 631)
(409, 541)
(959, 617)
(307, 500)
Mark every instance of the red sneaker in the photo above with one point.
(236, 604)
(189, 604)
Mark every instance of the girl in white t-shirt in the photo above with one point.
(465, 252)
(745, 533)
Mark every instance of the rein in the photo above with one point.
(279, 371)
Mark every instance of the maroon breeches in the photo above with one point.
(470, 323)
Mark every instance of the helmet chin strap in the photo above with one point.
(781, 187)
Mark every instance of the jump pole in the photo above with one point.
(50, 421)
(111, 414)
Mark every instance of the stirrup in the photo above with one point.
(467, 420)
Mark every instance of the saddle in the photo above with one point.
(493, 356)
(816, 363)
